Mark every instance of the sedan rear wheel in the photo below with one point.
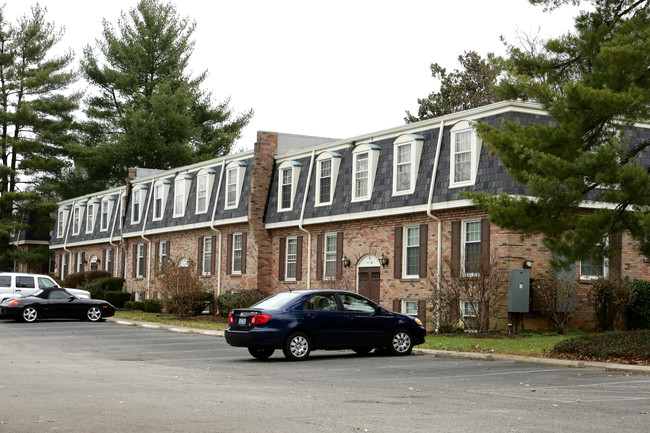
(29, 314)
(261, 352)
(297, 347)
(94, 314)
(401, 342)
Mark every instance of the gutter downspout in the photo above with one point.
(213, 228)
(110, 238)
(435, 218)
(302, 217)
(144, 226)
(65, 240)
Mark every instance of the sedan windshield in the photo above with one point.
(276, 301)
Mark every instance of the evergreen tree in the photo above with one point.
(147, 111)
(35, 126)
(595, 84)
(460, 90)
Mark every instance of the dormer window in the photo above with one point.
(181, 192)
(204, 181)
(160, 193)
(327, 166)
(90, 217)
(77, 214)
(288, 182)
(61, 220)
(364, 159)
(103, 215)
(407, 151)
(235, 172)
(136, 202)
(465, 151)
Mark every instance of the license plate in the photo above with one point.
(242, 321)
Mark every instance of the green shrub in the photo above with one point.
(638, 312)
(106, 284)
(128, 305)
(118, 299)
(78, 279)
(231, 301)
(192, 303)
(138, 305)
(631, 345)
(609, 297)
(152, 305)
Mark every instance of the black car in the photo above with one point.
(300, 321)
(55, 302)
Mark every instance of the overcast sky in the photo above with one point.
(326, 68)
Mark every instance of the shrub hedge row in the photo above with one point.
(638, 311)
(231, 301)
(78, 279)
(632, 345)
(118, 299)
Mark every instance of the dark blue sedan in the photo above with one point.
(300, 321)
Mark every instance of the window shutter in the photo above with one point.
(319, 257)
(145, 261)
(213, 263)
(282, 258)
(299, 259)
(339, 255)
(199, 258)
(615, 251)
(398, 253)
(397, 305)
(61, 266)
(455, 248)
(104, 258)
(229, 254)
(244, 251)
(424, 237)
(422, 310)
(156, 255)
(485, 245)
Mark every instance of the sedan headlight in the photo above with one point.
(418, 321)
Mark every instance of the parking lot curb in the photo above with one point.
(609, 366)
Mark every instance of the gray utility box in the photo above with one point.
(518, 290)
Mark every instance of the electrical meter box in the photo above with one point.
(518, 290)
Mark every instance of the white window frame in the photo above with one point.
(139, 262)
(90, 217)
(237, 253)
(202, 193)
(474, 151)
(325, 169)
(470, 314)
(334, 160)
(405, 250)
(415, 143)
(163, 252)
(293, 169)
(76, 219)
(104, 215)
(372, 152)
(586, 277)
(206, 259)
(80, 261)
(109, 258)
(136, 206)
(234, 177)
(291, 240)
(158, 202)
(64, 265)
(60, 223)
(463, 246)
(408, 307)
(330, 262)
(182, 184)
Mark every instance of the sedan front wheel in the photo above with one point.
(94, 314)
(401, 342)
(297, 347)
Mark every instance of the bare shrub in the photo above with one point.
(181, 288)
(555, 298)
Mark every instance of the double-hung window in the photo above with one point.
(470, 313)
(76, 215)
(285, 188)
(595, 265)
(330, 259)
(202, 193)
(103, 216)
(60, 224)
(471, 248)
(361, 178)
(325, 181)
(237, 251)
(407, 151)
(163, 253)
(90, 217)
(139, 272)
(231, 187)
(291, 259)
(179, 197)
(464, 155)
(207, 255)
(403, 168)
(411, 252)
(158, 202)
(135, 207)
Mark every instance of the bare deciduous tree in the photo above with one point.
(181, 288)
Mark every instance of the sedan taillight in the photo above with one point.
(258, 319)
(231, 319)
(12, 303)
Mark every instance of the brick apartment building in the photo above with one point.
(379, 214)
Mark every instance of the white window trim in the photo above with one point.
(241, 253)
(463, 239)
(404, 305)
(295, 168)
(286, 259)
(416, 142)
(60, 227)
(139, 271)
(90, 217)
(110, 258)
(104, 218)
(335, 252)
(137, 192)
(605, 266)
(182, 184)
(239, 168)
(207, 239)
(80, 261)
(475, 149)
(373, 159)
(77, 217)
(405, 246)
(465, 316)
(208, 175)
(158, 187)
(335, 159)
(164, 245)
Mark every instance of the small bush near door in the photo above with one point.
(638, 312)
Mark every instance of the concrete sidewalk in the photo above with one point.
(608, 366)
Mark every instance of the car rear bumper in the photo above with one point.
(259, 337)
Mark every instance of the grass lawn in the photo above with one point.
(522, 344)
(214, 323)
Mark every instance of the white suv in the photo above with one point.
(15, 285)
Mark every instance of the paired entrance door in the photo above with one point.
(369, 279)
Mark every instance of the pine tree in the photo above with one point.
(595, 84)
(35, 125)
(146, 110)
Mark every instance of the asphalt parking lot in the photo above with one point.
(72, 376)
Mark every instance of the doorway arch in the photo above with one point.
(369, 277)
